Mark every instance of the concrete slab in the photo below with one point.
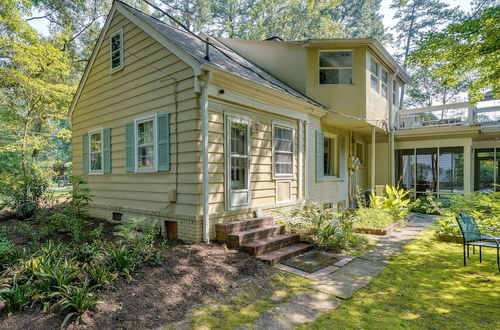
(296, 313)
(316, 300)
(268, 320)
(341, 285)
(362, 267)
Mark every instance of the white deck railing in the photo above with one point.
(457, 114)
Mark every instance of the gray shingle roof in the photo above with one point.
(221, 57)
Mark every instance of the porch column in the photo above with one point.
(301, 159)
(372, 160)
(467, 168)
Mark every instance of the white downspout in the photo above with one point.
(204, 156)
(301, 160)
(392, 179)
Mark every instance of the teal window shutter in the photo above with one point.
(129, 147)
(342, 168)
(164, 142)
(106, 150)
(320, 164)
(85, 143)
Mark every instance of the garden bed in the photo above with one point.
(388, 230)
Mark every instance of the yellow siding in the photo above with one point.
(146, 85)
(262, 184)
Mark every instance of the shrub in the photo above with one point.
(17, 297)
(372, 218)
(80, 196)
(27, 231)
(76, 299)
(427, 204)
(324, 227)
(52, 275)
(99, 274)
(395, 202)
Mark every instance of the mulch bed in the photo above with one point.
(155, 296)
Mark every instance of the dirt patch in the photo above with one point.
(158, 296)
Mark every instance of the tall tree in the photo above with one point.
(466, 50)
(415, 19)
(360, 19)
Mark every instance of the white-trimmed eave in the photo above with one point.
(118, 7)
(259, 96)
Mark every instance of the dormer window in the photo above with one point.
(116, 50)
(335, 67)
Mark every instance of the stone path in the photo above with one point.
(328, 292)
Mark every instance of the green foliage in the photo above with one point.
(17, 296)
(324, 227)
(427, 204)
(483, 206)
(55, 274)
(395, 202)
(121, 258)
(76, 299)
(80, 196)
(28, 231)
(372, 218)
(99, 274)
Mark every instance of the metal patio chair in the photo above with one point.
(472, 236)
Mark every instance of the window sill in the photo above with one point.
(146, 170)
(335, 84)
(116, 69)
(333, 179)
(96, 173)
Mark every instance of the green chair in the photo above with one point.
(472, 237)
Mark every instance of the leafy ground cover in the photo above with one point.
(426, 287)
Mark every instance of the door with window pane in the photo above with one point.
(237, 162)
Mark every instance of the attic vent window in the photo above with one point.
(116, 50)
(335, 67)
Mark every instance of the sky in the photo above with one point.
(41, 24)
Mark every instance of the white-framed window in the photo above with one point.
(330, 155)
(335, 67)
(283, 150)
(395, 93)
(374, 75)
(145, 144)
(360, 152)
(116, 50)
(96, 152)
(384, 82)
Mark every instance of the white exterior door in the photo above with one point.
(237, 135)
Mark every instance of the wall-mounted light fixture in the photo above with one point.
(255, 127)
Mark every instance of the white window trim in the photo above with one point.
(99, 130)
(290, 127)
(384, 85)
(363, 143)
(378, 75)
(137, 121)
(395, 96)
(335, 137)
(336, 67)
(118, 68)
(276, 190)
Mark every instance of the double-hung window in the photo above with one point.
(395, 93)
(384, 83)
(116, 50)
(330, 156)
(283, 138)
(374, 74)
(146, 144)
(335, 67)
(95, 153)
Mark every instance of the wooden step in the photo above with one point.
(240, 237)
(226, 228)
(269, 244)
(277, 256)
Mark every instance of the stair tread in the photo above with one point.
(254, 230)
(284, 251)
(267, 240)
(236, 222)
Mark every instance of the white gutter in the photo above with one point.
(204, 156)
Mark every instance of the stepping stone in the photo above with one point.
(362, 267)
(316, 300)
(268, 320)
(296, 313)
(341, 285)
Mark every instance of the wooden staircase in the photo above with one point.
(262, 238)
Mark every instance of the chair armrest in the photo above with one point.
(491, 237)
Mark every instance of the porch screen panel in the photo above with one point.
(405, 168)
(427, 170)
(485, 168)
(451, 171)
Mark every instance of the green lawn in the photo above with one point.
(426, 287)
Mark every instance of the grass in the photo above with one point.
(426, 287)
(249, 304)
